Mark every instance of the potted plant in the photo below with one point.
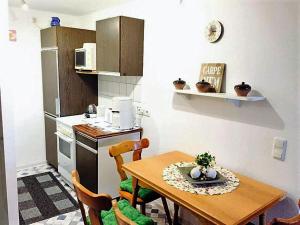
(206, 163)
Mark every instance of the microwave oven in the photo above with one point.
(85, 58)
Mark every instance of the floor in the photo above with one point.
(154, 210)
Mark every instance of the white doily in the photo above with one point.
(174, 178)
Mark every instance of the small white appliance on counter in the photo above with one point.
(123, 114)
(66, 145)
(85, 58)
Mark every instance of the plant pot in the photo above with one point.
(203, 86)
(179, 84)
(242, 89)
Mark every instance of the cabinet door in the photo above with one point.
(48, 37)
(50, 82)
(132, 46)
(87, 166)
(51, 141)
(108, 44)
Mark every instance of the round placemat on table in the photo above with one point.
(174, 178)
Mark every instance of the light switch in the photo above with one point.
(279, 148)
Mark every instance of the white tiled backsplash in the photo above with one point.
(111, 86)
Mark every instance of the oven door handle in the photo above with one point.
(64, 137)
(88, 148)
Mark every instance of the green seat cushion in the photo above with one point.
(109, 218)
(144, 193)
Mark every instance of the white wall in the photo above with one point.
(6, 84)
(26, 72)
(260, 47)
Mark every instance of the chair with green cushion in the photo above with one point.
(145, 195)
(101, 211)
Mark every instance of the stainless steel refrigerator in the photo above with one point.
(51, 101)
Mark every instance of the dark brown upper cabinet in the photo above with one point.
(120, 46)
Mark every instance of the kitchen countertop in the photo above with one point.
(94, 127)
(70, 121)
(99, 133)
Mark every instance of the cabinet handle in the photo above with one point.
(57, 106)
(87, 147)
(86, 136)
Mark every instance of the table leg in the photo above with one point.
(136, 188)
(262, 219)
(176, 211)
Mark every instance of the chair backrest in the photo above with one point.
(116, 151)
(290, 221)
(121, 219)
(95, 202)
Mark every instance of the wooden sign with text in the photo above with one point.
(213, 73)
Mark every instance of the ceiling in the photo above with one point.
(72, 7)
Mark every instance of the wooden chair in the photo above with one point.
(121, 219)
(95, 202)
(137, 147)
(99, 202)
(290, 221)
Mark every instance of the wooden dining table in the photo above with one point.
(249, 200)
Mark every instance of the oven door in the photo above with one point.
(66, 154)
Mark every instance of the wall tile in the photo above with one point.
(139, 80)
(101, 87)
(112, 86)
(130, 89)
(123, 89)
(137, 93)
(116, 89)
(131, 80)
(105, 87)
(122, 79)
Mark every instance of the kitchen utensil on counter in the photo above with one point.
(179, 84)
(204, 86)
(108, 115)
(125, 108)
(91, 111)
(116, 119)
(242, 89)
(101, 111)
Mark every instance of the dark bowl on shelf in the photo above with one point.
(179, 84)
(203, 86)
(212, 90)
(242, 89)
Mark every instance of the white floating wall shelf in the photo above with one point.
(236, 100)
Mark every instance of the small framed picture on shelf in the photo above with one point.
(213, 73)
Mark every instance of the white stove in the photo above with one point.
(66, 145)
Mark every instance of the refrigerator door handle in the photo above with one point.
(50, 116)
(57, 106)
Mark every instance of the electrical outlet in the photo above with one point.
(279, 148)
(146, 112)
(139, 110)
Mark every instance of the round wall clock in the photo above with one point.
(214, 31)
